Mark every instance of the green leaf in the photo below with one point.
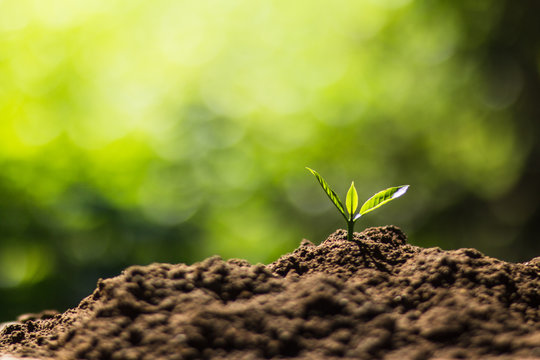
(352, 200)
(381, 198)
(331, 194)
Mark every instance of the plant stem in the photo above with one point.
(350, 230)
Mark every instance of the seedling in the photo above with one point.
(351, 201)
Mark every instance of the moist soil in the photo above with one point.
(377, 297)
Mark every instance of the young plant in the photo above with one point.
(351, 201)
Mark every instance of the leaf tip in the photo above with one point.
(402, 190)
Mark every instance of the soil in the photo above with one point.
(377, 297)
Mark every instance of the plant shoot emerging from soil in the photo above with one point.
(351, 201)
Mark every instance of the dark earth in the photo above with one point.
(375, 298)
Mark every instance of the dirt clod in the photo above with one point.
(376, 297)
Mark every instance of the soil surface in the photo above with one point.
(377, 297)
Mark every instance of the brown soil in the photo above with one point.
(377, 297)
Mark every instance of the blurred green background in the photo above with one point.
(134, 132)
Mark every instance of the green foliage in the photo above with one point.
(352, 199)
(331, 194)
(381, 198)
(351, 202)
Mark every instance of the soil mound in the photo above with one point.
(377, 297)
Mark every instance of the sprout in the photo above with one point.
(351, 201)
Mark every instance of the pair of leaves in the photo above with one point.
(351, 201)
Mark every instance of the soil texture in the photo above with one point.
(375, 298)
